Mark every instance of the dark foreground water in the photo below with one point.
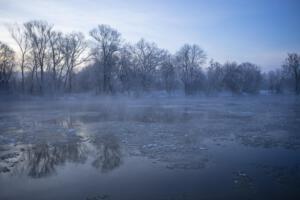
(165, 149)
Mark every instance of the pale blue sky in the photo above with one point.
(260, 31)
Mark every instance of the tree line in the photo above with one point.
(51, 62)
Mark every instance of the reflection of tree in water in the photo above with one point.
(108, 153)
(41, 160)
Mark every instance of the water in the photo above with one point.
(196, 148)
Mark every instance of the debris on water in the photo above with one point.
(149, 146)
(244, 185)
(186, 166)
(243, 180)
(242, 174)
(124, 141)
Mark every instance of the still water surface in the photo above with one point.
(199, 148)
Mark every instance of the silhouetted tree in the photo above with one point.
(107, 44)
(232, 77)
(56, 57)
(251, 78)
(275, 81)
(292, 67)
(50, 61)
(18, 33)
(190, 58)
(126, 70)
(37, 33)
(7, 63)
(148, 58)
(75, 53)
(168, 73)
(215, 76)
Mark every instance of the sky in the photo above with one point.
(258, 31)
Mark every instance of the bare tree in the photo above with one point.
(232, 77)
(37, 33)
(189, 59)
(245, 77)
(50, 58)
(251, 77)
(56, 57)
(107, 44)
(75, 53)
(168, 73)
(126, 71)
(18, 33)
(148, 58)
(7, 63)
(292, 67)
(275, 81)
(215, 77)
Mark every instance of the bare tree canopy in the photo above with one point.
(38, 32)
(190, 59)
(75, 53)
(18, 33)
(108, 42)
(148, 58)
(52, 62)
(7, 63)
(292, 68)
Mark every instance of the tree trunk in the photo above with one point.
(297, 88)
(42, 80)
(22, 71)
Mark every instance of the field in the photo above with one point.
(156, 148)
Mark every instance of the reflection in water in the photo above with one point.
(42, 160)
(108, 153)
